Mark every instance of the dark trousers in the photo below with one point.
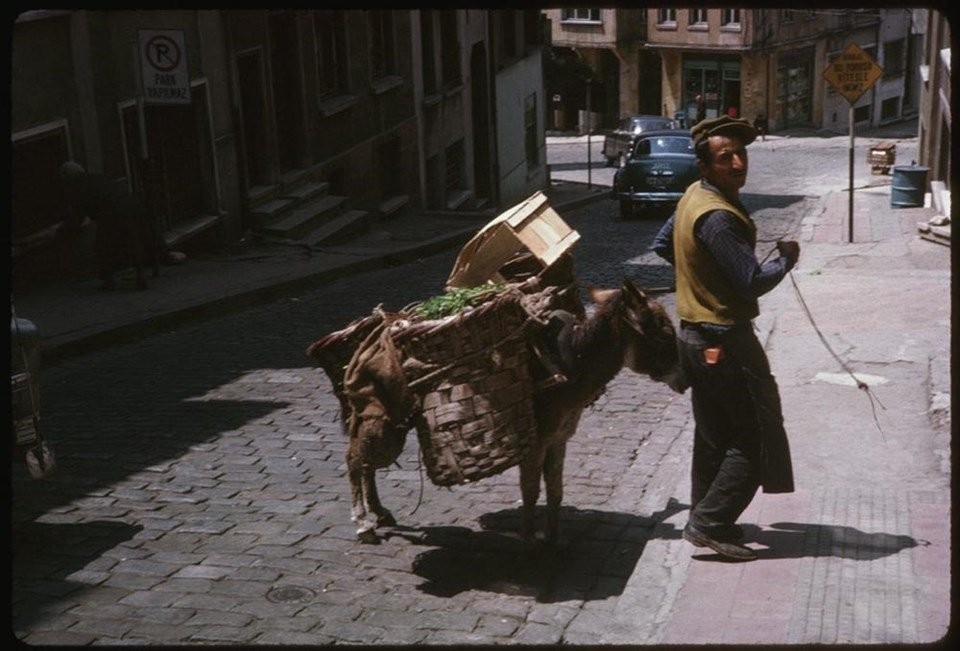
(727, 447)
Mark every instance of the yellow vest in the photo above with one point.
(703, 293)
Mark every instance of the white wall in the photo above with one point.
(513, 85)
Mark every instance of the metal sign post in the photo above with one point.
(852, 74)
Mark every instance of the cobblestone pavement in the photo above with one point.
(201, 494)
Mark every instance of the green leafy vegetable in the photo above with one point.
(455, 300)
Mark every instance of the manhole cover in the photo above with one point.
(291, 594)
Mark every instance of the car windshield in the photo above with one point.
(646, 124)
(664, 145)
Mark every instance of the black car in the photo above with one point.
(618, 143)
(661, 166)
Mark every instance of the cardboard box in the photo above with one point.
(532, 225)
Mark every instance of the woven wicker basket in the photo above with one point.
(478, 415)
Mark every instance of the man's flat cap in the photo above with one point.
(723, 125)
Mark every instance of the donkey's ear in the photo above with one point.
(598, 295)
(633, 293)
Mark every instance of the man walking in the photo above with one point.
(739, 441)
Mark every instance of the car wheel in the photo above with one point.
(626, 208)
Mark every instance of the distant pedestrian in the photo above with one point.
(701, 108)
(126, 233)
(739, 441)
(760, 124)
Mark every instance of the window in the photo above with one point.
(666, 16)
(453, 175)
(730, 17)
(38, 198)
(449, 48)
(427, 52)
(580, 15)
(507, 27)
(330, 29)
(533, 27)
(530, 131)
(894, 58)
(697, 17)
(382, 50)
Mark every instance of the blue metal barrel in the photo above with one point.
(909, 186)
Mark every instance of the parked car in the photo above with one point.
(660, 168)
(618, 143)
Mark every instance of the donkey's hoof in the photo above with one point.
(386, 519)
(368, 536)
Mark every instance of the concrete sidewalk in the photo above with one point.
(860, 553)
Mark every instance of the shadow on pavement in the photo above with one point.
(784, 540)
(598, 553)
(755, 202)
(58, 551)
(796, 540)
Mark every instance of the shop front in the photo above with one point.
(711, 87)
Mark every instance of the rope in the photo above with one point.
(860, 384)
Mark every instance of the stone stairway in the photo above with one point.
(304, 211)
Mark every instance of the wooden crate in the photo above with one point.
(532, 225)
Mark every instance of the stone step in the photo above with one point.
(303, 192)
(270, 209)
(340, 228)
(294, 224)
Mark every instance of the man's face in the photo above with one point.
(727, 169)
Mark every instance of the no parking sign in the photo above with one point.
(163, 67)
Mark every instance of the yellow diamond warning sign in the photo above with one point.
(853, 72)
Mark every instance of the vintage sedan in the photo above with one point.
(660, 168)
(618, 143)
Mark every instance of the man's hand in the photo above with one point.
(790, 250)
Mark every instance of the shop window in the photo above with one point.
(861, 114)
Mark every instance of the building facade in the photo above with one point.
(747, 62)
(230, 121)
(935, 131)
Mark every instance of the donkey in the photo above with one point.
(627, 329)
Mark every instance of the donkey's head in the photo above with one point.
(645, 330)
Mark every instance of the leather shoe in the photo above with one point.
(732, 533)
(728, 550)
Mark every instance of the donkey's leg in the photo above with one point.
(366, 526)
(360, 474)
(371, 500)
(531, 469)
(553, 480)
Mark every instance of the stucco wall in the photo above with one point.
(514, 84)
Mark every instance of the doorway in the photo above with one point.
(256, 153)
